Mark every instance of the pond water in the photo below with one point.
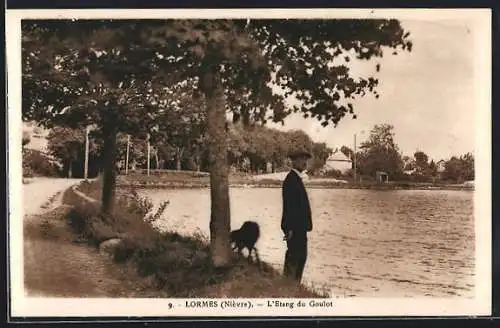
(365, 243)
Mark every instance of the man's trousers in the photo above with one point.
(296, 255)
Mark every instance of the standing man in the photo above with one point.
(296, 220)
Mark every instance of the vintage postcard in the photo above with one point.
(227, 163)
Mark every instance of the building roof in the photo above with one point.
(338, 156)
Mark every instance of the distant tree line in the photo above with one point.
(381, 153)
(255, 149)
(251, 149)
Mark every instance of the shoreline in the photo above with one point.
(201, 185)
(201, 180)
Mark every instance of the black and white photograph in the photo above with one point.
(298, 162)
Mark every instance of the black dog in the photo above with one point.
(246, 236)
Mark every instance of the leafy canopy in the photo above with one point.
(116, 71)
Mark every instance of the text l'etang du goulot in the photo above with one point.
(265, 303)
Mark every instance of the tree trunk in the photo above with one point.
(157, 160)
(178, 160)
(198, 163)
(219, 185)
(70, 169)
(196, 160)
(109, 172)
(252, 165)
(177, 164)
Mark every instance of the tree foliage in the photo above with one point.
(459, 169)
(380, 153)
(113, 74)
(421, 161)
(67, 146)
(348, 152)
(251, 149)
(320, 153)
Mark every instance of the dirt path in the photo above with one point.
(55, 266)
(42, 194)
(69, 270)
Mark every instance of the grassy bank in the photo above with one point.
(178, 265)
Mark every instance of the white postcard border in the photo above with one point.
(63, 307)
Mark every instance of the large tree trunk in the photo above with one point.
(219, 186)
(109, 171)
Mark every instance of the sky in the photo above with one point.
(426, 94)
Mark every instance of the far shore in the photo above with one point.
(185, 180)
(312, 186)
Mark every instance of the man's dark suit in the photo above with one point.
(297, 218)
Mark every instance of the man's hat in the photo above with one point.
(299, 153)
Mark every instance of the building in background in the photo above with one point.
(441, 166)
(338, 161)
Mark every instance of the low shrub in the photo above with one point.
(92, 189)
(89, 224)
(27, 170)
(333, 173)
